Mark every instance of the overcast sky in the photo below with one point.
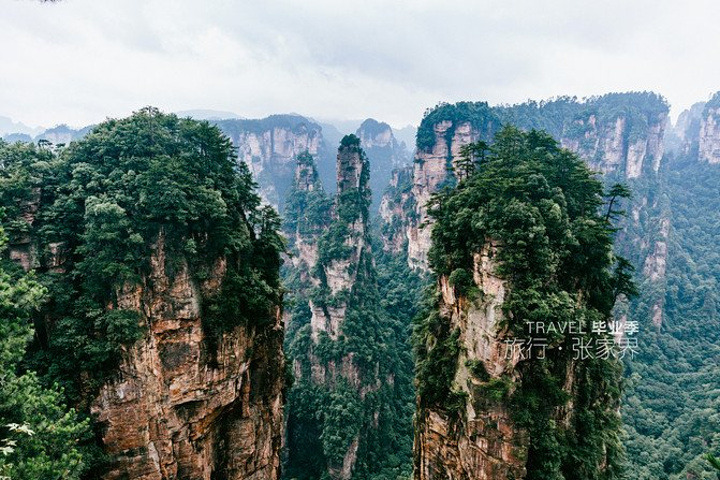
(80, 61)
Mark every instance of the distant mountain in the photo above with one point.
(205, 114)
(406, 135)
(63, 134)
(17, 137)
(269, 146)
(8, 126)
(343, 126)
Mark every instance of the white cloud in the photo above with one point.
(78, 61)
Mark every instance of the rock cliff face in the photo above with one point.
(308, 210)
(709, 135)
(441, 135)
(396, 205)
(619, 146)
(385, 155)
(620, 135)
(269, 147)
(174, 411)
(431, 171)
(341, 275)
(683, 138)
(486, 445)
(331, 250)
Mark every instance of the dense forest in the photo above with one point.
(671, 408)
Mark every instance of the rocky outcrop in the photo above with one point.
(509, 381)
(621, 146)
(374, 134)
(384, 153)
(620, 135)
(174, 409)
(485, 444)
(307, 211)
(340, 273)
(432, 169)
(269, 147)
(683, 137)
(396, 206)
(343, 348)
(175, 412)
(709, 135)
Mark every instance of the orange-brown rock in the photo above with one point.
(176, 410)
(482, 442)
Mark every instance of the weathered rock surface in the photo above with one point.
(709, 135)
(621, 142)
(176, 410)
(485, 444)
(384, 153)
(269, 147)
(395, 202)
(431, 170)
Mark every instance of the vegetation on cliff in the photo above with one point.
(671, 407)
(94, 215)
(543, 211)
(40, 436)
(356, 387)
(564, 117)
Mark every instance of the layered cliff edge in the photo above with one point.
(269, 146)
(177, 410)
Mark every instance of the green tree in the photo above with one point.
(472, 156)
(42, 436)
(713, 461)
(91, 217)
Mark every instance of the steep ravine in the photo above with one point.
(347, 410)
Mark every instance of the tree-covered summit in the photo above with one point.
(543, 218)
(105, 205)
